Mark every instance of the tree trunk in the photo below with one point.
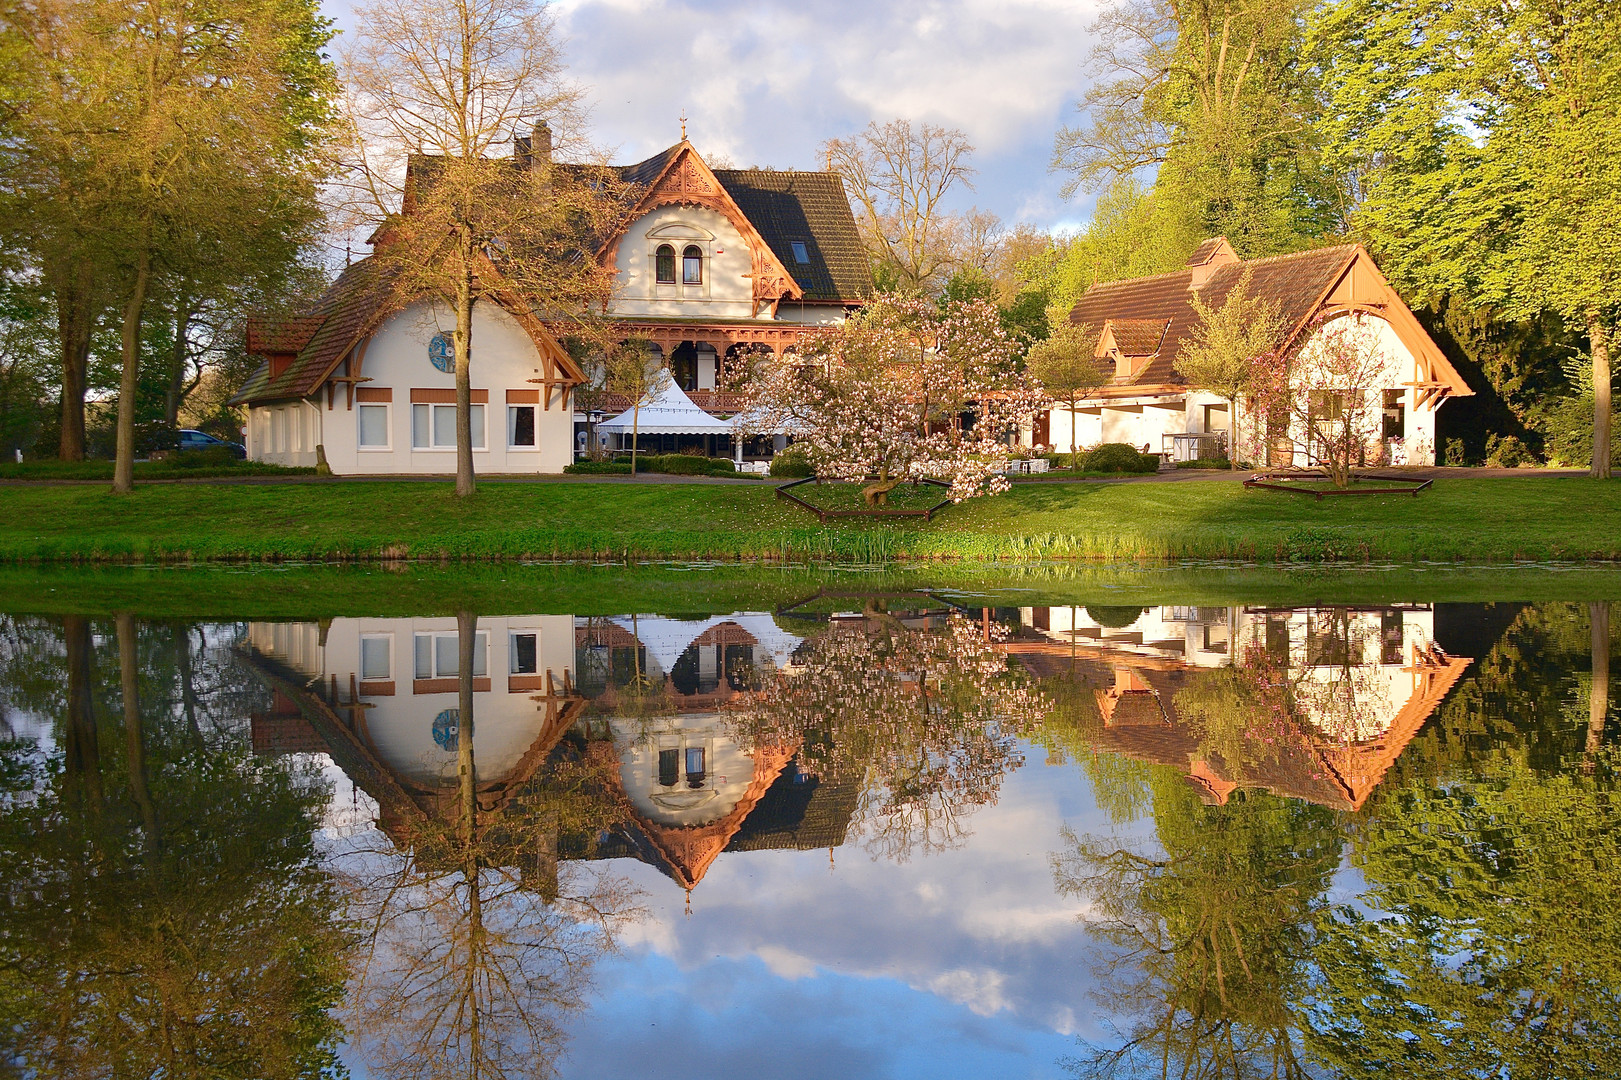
(464, 384)
(174, 395)
(1598, 705)
(1598, 337)
(74, 287)
(124, 464)
(1074, 438)
(466, 634)
(1232, 432)
(134, 745)
(81, 766)
(876, 494)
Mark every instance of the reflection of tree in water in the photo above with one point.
(166, 915)
(1212, 934)
(1488, 952)
(476, 944)
(1496, 951)
(928, 713)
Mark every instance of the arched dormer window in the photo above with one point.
(692, 265)
(664, 265)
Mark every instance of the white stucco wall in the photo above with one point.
(728, 769)
(726, 291)
(396, 360)
(1140, 424)
(400, 725)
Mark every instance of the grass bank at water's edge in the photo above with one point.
(691, 590)
(1489, 520)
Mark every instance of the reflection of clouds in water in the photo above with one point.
(971, 945)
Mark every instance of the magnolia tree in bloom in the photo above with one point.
(928, 718)
(1327, 390)
(906, 390)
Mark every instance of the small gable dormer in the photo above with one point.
(1131, 344)
(1207, 258)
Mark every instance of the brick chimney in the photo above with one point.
(535, 148)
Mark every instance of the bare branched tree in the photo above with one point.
(435, 89)
(899, 176)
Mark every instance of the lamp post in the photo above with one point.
(593, 418)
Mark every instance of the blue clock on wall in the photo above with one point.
(442, 353)
(447, 728)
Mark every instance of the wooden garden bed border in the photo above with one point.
(926, 514)
(1272, 481)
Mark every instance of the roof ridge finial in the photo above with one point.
(683, 125)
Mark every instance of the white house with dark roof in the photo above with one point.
(1143, 324)
(707, 262)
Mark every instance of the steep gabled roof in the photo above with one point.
(1298, 285)
(812, 208)
(349, 308)
(1295, 283)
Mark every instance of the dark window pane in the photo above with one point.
(523, 426)
(669, 767)
(665, 265)
(523, 654)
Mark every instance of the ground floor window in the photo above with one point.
(524, 654)
(376, 656)
(437, 656)
(371, 422)
(521, 426)
(433, 427)
(1395, 415)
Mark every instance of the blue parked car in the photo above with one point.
(192, 439)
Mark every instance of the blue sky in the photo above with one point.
(764, 82)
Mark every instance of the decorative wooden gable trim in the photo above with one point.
(1360, 287)
(687, 181)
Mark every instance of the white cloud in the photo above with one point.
(765, 83)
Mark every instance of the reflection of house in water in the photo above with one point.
(640, 695)
(687, 789)
(1362, 683)
(381, 697)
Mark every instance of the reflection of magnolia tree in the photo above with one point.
(476, 945)
(1500, 954)
(167, 915)
(1212, 933)
(1265, 703)
(930, 717)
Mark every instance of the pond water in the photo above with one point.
(888, 834)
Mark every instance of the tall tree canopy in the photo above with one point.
(1214, 97)
(455, 81)
(161, 143)
(1483, 142)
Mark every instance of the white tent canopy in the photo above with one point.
(666, 639)
(671, 412)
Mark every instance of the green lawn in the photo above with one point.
(1536, 518)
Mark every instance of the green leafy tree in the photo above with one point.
(1484, 146)
(1224, 346)
(1211, 936)
(1067, 366)
(206, 939)
(1213, 100)
(171, 141)
(1492, 951)
(631, 369)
